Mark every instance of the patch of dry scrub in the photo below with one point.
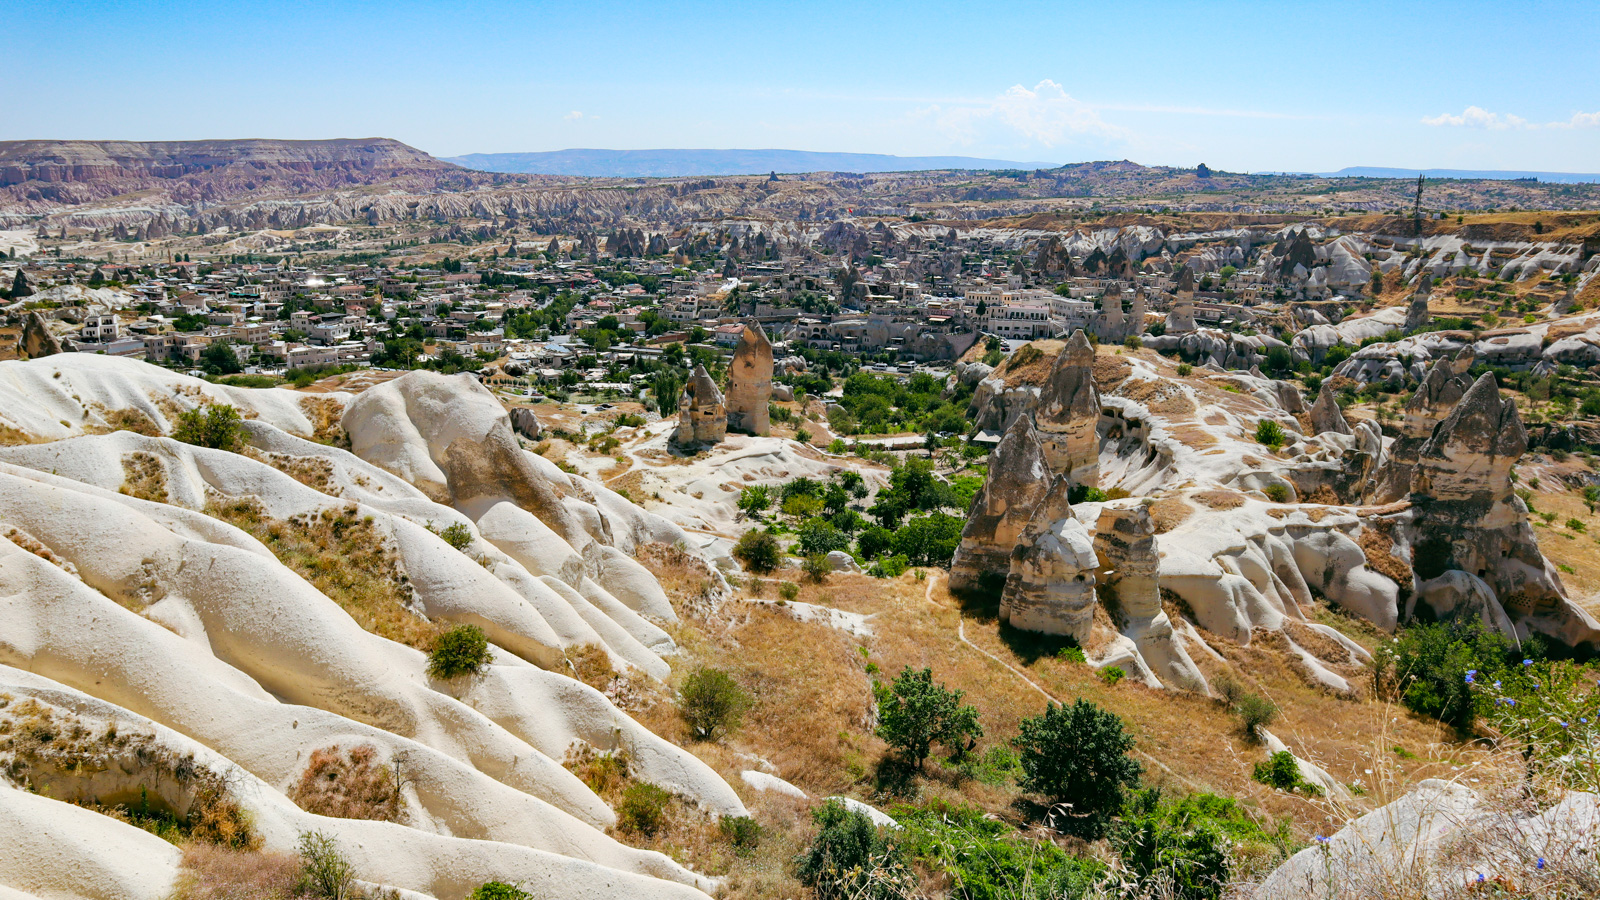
(130, 419)
(217, 873)
(688, 580)
(1219, 499)
(1378, 547)
(325, 414)
(314, 472)
(144, 477)
(349, 785)
(1110, 371)
(343, 555)
(125, 775)
(1169, 512)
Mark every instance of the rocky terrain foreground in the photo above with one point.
(179, 654)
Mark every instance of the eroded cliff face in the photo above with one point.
(1019, 478)
(1050, 586)
(1068, 412)
(151, 592)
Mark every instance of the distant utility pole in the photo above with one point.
(1416, 207)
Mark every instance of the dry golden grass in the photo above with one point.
(144, 477)
(1219, 499)
(1575, 553)
(13, 437)
(325, 413)
(216, 873)
(1378, 548)
(314, 472)
(130, 419)
(349, 785)
(813, 717)
(345, 557)
(1169, 512)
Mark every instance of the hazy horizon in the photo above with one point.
(1239, 86)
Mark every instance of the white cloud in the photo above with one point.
(1579, 120)
(1044, 114)
(573, 116)
(1478, 117)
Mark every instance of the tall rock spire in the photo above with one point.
(1068, 413)
(1018, 480)
(750, 382)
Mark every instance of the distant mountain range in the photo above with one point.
(1489, 174)
(676, 163)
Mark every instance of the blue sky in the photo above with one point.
(1240, 86)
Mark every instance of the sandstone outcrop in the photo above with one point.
(1129, 587)
(1464, 515)
(526, 423)
(1181, 319)
(1417, 315)
(1325, 413)
(36, 340)
(1050, 588)
(1019, 478)
(750, 382)
(1068, 413)
(702, 417)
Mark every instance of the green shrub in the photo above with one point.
(758, 551)
(1072, 654)
(643, 809)
(874, 542)
(817, 568)
(1081, 493)
(1427, 666)
(743, 832)
(712, 703)
(462, 650)
(1112, 674)
(499, 890)
(1281, 771)
(1132, 342)
(850, 858)
(1158, 846)
(324, 872)
(217, 427)
(457, 535)
(916, 712)
(755, 499)
(929, 540)
(1078, 755)
(819, 536)
(1184, 370)
(1255, 714)
(803, 436)
(1277, 493)
(985, 859)
(890, 567)
(789, 591)
(1270, 434)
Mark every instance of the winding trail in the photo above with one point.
(961, 632)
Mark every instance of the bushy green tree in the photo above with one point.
(819, 536)
(461, 650)
(850, 858)
(917, 712)
(1165, 845)
(217, 426)
(875, 541)
(929, 540)
(712, 703)
(758, 551)
(755, 499)
(1426, 668)
(1078, 756)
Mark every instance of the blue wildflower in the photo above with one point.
(1480, 878)
(1323, 840)
(1541, 862)
(1469, 678)
(1527, 662)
